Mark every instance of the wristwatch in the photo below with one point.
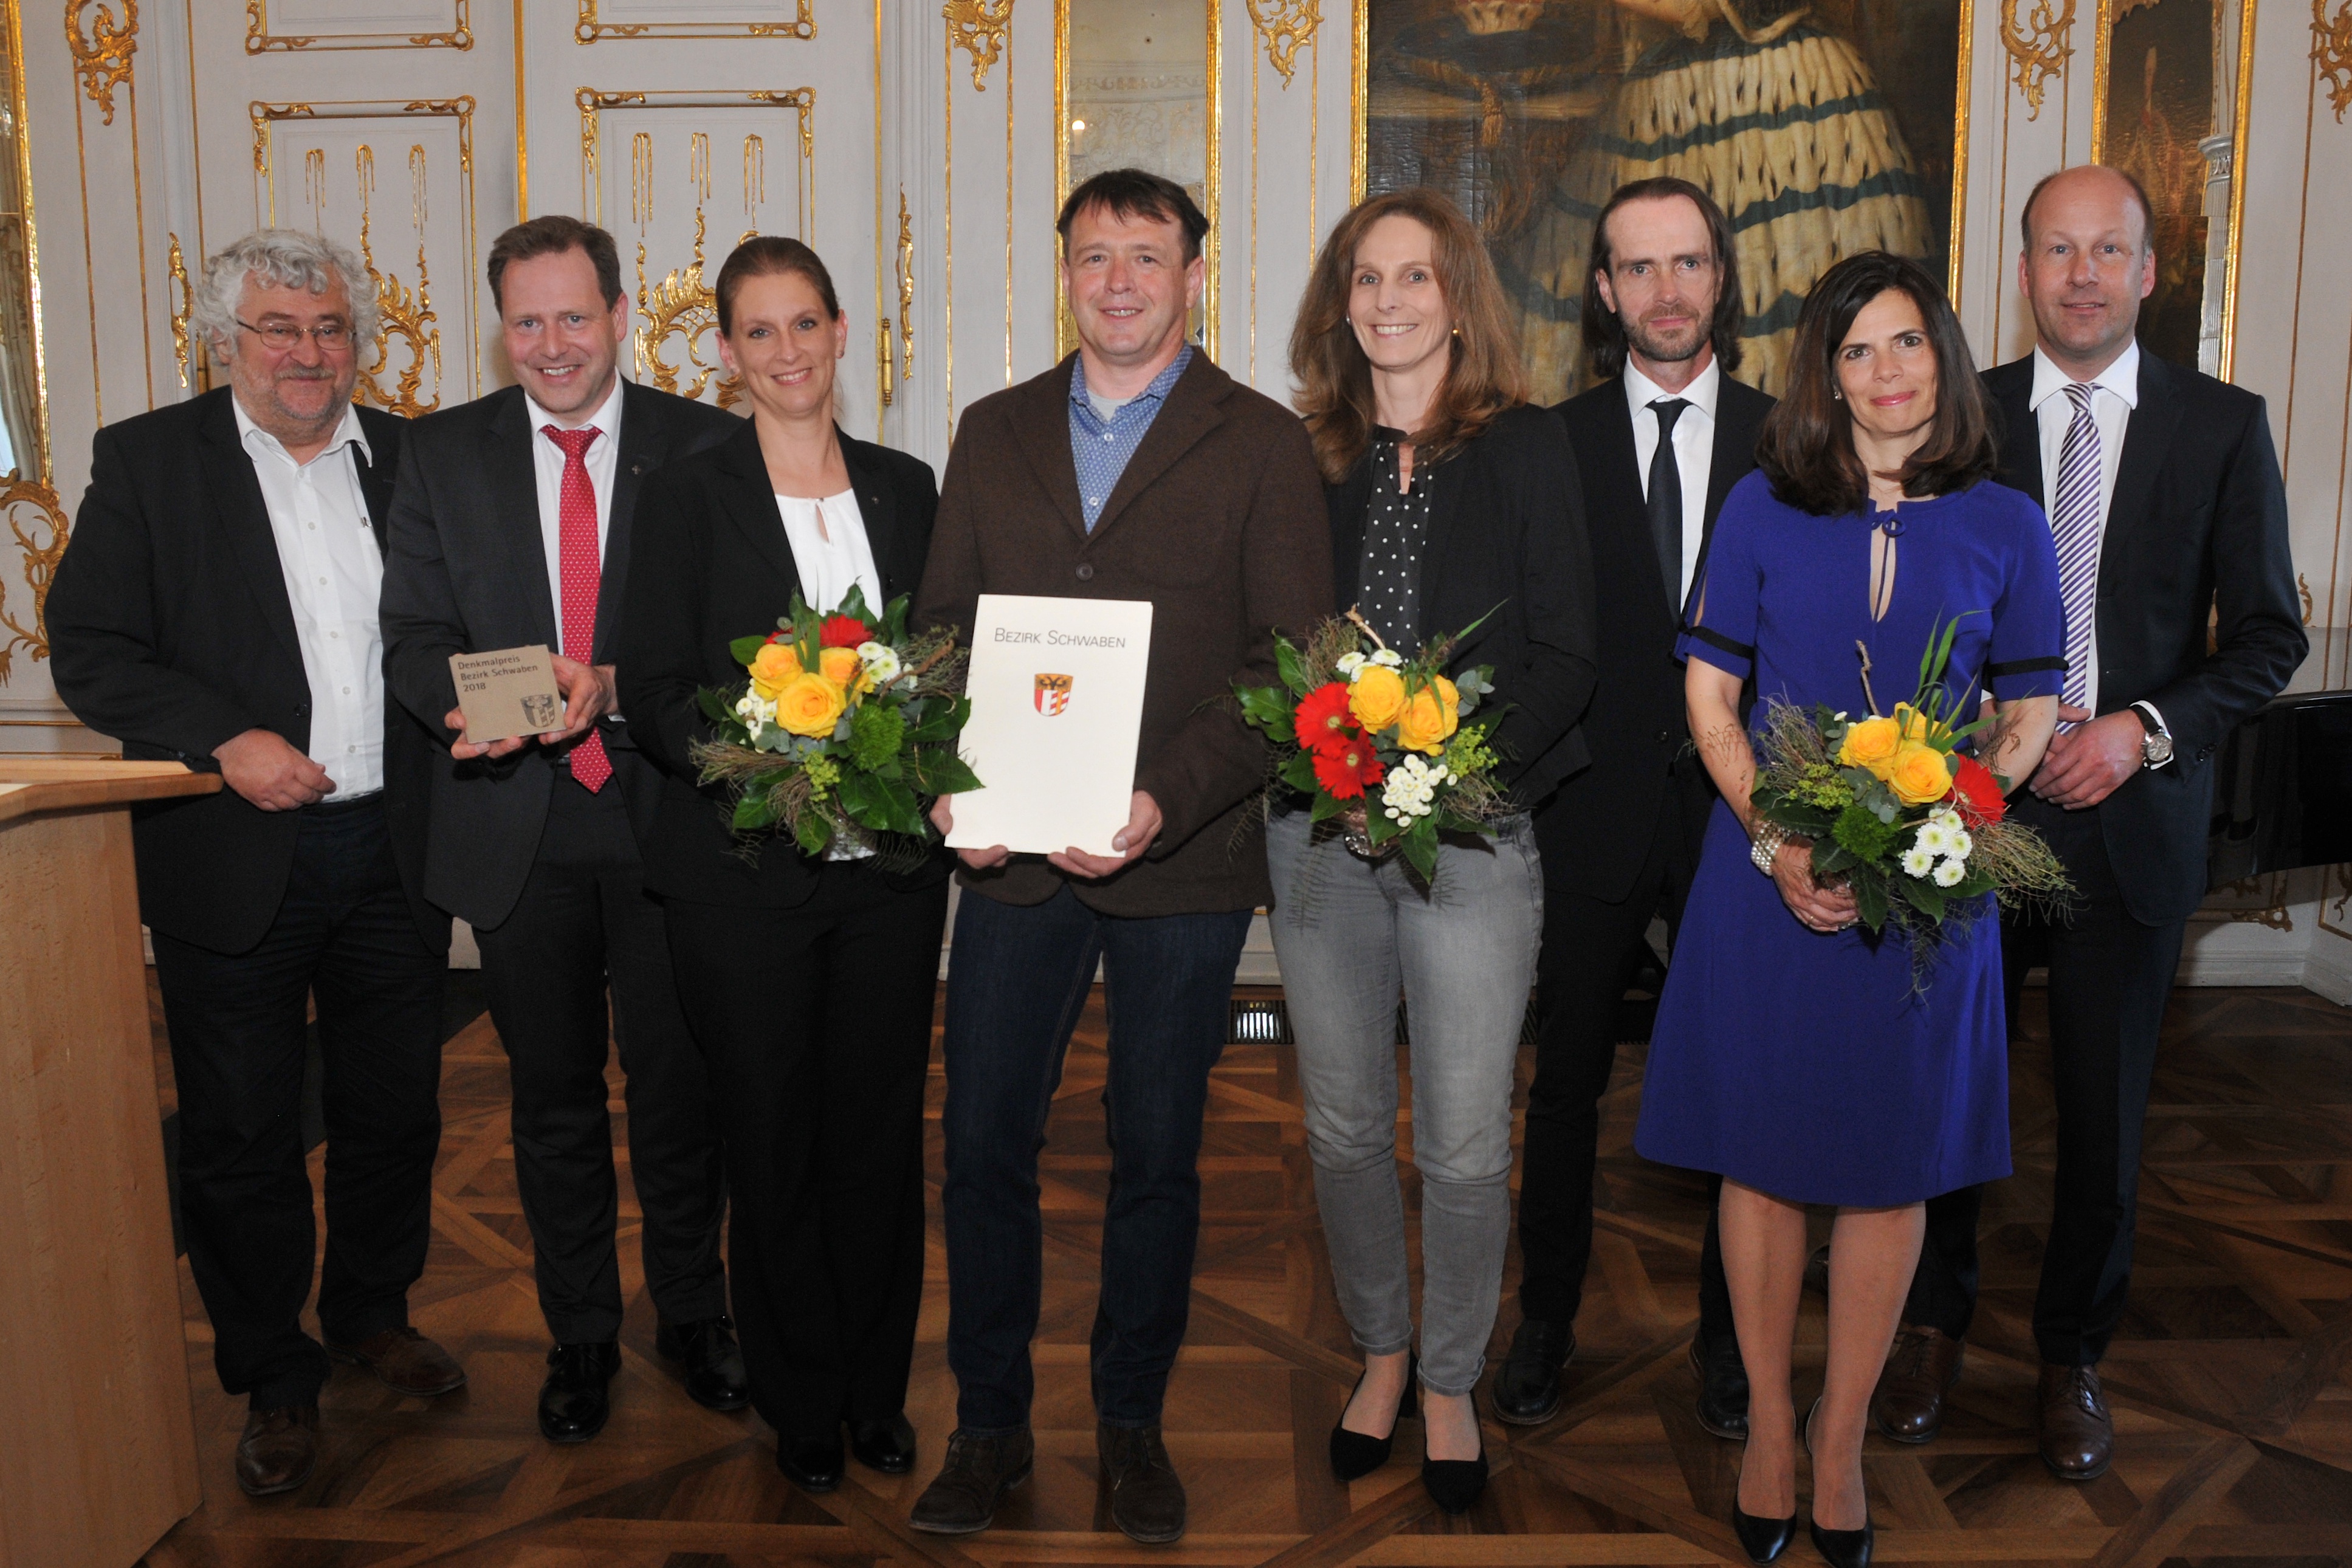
(2156, 746)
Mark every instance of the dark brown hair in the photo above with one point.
(768, 255)
(1604, 334)
(2139, 191)
(551, 236)
(1133, 194)
(1484, 377)
(1807, 444)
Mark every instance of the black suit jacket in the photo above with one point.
(714, 564)
(2196, 539)
(171, 631)
(1506, 541)
(467, 572)
(1598, 830)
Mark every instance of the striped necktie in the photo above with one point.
(2075, 527)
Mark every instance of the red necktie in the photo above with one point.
(580, 564)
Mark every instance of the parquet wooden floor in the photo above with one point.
(2230, 1383)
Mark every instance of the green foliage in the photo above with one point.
(1825, 785)
(822, 772)
(743, 650)
(1859, 831)
(875, 733)
(1287, 665)
(1268, 709)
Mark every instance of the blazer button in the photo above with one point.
(1086, 571)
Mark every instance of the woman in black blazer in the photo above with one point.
(1451, 502)
(807, 982)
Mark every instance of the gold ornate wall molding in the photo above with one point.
(20, 496)
(183, 296)
(681, 306)
(590, 29)
(102, 56)
(2331, 52)
(977, 27)
(400, 315)
(2038, 46)
(259, 39)
(1282, 25)
(593, 103)
(906, 268)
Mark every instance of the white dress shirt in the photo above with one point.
(604, 460)
(833, 553)
(2115, 394)
(334, 576)
(1694, 449)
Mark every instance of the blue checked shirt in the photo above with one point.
(1100, 447)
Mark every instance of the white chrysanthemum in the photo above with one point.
(1934, 837)
(1411, 787)
(881, 662)
(1349, 663)
(1946, 818)
(1389, 656)
(1961, 843)
(1949, 873)
(1918, 862)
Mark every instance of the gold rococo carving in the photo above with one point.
(102, 56)
(40, 563)
(1283, 26)
(589, 28)
(2331, 51)
(259, 39)
(977, 27)
(183, 297)
(2039, 47)
(682, 306)
(400, 314)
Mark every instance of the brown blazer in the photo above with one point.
(1219, 521)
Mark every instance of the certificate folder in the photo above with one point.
(1056, 688)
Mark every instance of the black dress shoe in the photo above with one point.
(1722, 1386)
(1355, 1454)
(1454, 1484)
(885, 1445)
(1147, 1499)
(1838, 1548)
(576, 1399)
(811, 1464)
(1527, 1391)
(711, 1359)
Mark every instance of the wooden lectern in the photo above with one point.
(97, 1448)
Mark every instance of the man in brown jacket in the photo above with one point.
(1134, 469)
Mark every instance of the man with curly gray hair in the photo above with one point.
(218, 606)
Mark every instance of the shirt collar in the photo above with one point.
(257, 441)
(1161, 385)
(1701, 393)
(2122, 377)
(607, 417)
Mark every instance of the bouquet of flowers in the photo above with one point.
(844, 721)
(1356, 729)
(1915, 827)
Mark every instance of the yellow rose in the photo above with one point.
(1377, 696)
(1871, 744)
(1915, 723)
(774, 668)
(1429, 718)
(810, 705)
(1920, 774)
(838, 665)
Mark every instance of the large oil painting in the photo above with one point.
(1824, 128)
(2161, 76)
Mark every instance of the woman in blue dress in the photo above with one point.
(1792, 1052)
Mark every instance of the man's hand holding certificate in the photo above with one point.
(509, 696)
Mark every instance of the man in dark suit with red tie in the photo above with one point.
(2170, 514)
(510, 526)
(1659, 443)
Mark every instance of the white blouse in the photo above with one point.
(829, 541)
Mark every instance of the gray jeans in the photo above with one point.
(1349, 935)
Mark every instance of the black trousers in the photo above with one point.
(582, 924)
(2110, 975)
(1591, 949)
(344, 935)
(818, 1072)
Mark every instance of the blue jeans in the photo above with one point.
(1018, 980)
(1349, 934)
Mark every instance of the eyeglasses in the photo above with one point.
(333, 337)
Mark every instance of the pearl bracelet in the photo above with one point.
(1765, 848)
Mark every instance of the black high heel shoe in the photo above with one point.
(1761, 1538)
(1355, 1456)
(1454, 1484)
(1840, 1548)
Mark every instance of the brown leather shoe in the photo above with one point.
(278, 1450)
(1920, 1370)
(408, 1362)
(2078, 1435)
(1147, 1501)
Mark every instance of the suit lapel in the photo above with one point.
(1045, 435)
(2147, 436)
(1445, 481)
(1193, 409)
(1349, 502)
(243, 515)
(514, 507)
(1730, 460)
(749, 499)
(644, 442)
(877, 510)
(376, 474)
(2020, 440)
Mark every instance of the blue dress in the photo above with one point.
(1806, 1065)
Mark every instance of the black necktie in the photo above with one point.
(1667, 501)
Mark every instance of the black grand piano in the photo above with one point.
(2282, 782)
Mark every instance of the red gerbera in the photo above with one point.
(1347, 769)
(843, 631)
(1322, 720)
(1976, 792)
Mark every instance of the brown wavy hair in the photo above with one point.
(1604, 334)
(1806, 447)
(1484, 378)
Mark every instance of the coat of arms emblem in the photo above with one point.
(1052, 694)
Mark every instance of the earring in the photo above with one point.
(1836, 397)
